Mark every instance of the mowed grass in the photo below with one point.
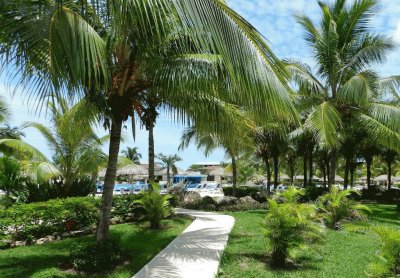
(343, 254)
(136, 240)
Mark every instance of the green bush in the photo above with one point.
(157, 207)
(290, 226)
(124, 204)
(242, 191)
(337, 207)
(36, 220)
(388, 262)
(96, 256)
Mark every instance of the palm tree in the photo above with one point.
(232, 134)
(169, 163)
(132, 154)
(112, 51)
(344, 88)
(389, 156)
(271, 143)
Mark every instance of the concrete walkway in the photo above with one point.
(194, 253)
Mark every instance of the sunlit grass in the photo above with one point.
(136, 240)
(344, 254)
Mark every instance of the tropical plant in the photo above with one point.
(388, 258)
(168, 162)
(344, 88)
(157, 206)
(75, 146)
(233, 122)
(337, 207)
(113, 51)
(289, 226)
(12, 181)
(132, 154)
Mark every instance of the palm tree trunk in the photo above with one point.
(310, 165)
(109, 180)
(305, 169)
(332, 170)
(234, 175)
(267, 168)
(151, 153)
(291, 174)
(389, 175)
(346, 172)
(328, 169)
(369, 162)
(324, 176)
(168, 177)
(351, 176)
(275, 161)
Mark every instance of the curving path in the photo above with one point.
(194, 253)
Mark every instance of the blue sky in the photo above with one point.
(274, 19)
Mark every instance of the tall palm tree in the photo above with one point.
(114, 49)
(132, 154)
(344, 87)
(233, 134)
(169, 163)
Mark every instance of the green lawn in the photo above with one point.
(344, 254)
(136, 240)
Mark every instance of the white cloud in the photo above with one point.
(396, 35)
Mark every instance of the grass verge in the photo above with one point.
(344, 254)
(136, 240)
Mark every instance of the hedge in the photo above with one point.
(243, 191)
(35, 220)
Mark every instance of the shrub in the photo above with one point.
(336, 207)
(157, 207)
(95, 257)
(36, 220)
(312, 193)
(242, 191)
(125, 204)
(388, 263)
(290, 226)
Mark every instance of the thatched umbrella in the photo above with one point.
(381, 178)
(133, 170)
(220, 172)
(102, 173)
(339, 179)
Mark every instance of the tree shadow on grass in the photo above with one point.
(303, 263)
(30, 260)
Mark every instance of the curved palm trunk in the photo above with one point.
(106, 201)
(151, 153)
(275, 161)
(234, 175)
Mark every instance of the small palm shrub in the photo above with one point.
(388, 263)
(157, 207)
(337, 208)
(290, 226)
